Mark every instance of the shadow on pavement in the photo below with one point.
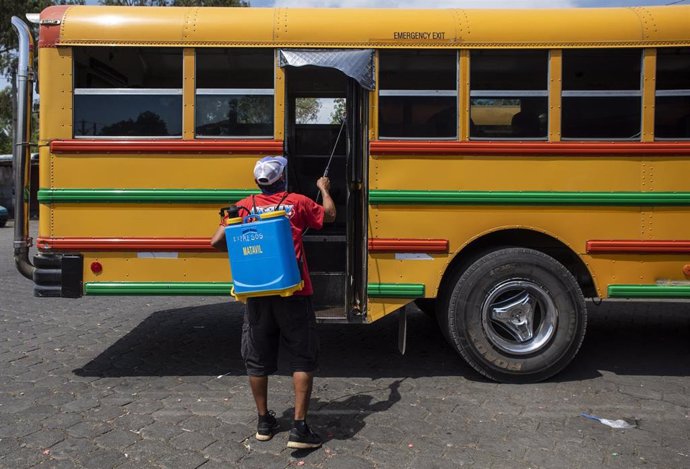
(205, 340)
(342, 418)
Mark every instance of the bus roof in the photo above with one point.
(356, 28)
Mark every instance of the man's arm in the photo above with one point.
(324, 185)
(218, 239)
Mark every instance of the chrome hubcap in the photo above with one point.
(519, 317)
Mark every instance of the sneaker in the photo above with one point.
(267, 426)
(304, 440)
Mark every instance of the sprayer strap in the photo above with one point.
(281, 201)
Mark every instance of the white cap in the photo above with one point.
(269, 169)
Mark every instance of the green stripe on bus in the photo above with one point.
(158, 288)
(395, 290)
(649, 291)
(48, 196)
(376, 197)
(394, 197)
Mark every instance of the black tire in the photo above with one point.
(46, 277)
(486, 309)
(427, 306)
(3, 223)
(43, 261)
(52, 291)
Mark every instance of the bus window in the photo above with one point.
(509, 94)
(672, 118)
(602, 97)
(140, 87)
(418, 95)
(234, 94)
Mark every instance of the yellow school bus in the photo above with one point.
(495, 166)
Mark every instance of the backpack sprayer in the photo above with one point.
(261, 250)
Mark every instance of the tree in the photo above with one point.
(5, 121)
(307, 110)
(8, 41)
(8, 59)
(339, 111)
(8, 37)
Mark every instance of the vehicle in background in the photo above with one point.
(4, 215)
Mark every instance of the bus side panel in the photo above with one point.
(573, 223)
(55, 90)
(155, 171)
(99, 220)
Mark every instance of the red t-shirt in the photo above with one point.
(303, 213)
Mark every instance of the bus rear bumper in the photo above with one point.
(58, 275)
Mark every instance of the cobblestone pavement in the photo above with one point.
(158, 382)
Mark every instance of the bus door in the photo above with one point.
(326, 123)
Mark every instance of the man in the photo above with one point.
(274, 320)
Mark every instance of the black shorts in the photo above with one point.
(273, 321)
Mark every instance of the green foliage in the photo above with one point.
(6, 121)
(339, 111)
(307, 110)
(8, 45)
(8, 36)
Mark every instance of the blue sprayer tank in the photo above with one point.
(262, 256)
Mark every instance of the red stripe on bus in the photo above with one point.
(51, 24)
(408, 245)
(395, 147)
(166, 146)
(125, 244)
(638, 247)
(204, 244)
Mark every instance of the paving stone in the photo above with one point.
(183, 460)
(192, 440)
(117, 439)
(71, 448)
(62, 421)
(79, 405)
(133, 422)
(18, 429)
(89, 429)
(160, 431)
(262, 460)
(55, 464)
(199, 423)
(148, 451)
(7, 445)
(44, 438)
(23, 457)
(101, 458)
(237, 432)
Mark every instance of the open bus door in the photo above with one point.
(319, 141)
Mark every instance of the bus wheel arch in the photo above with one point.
(514, 313)
(524, 238)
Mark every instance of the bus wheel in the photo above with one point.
(516, 315)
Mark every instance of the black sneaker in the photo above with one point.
(267, 426)
(304, 440)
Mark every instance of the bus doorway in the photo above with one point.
(326, 128)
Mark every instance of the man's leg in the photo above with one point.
(259, 385)
(298, 335)
(260, 337)
(302, 382)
